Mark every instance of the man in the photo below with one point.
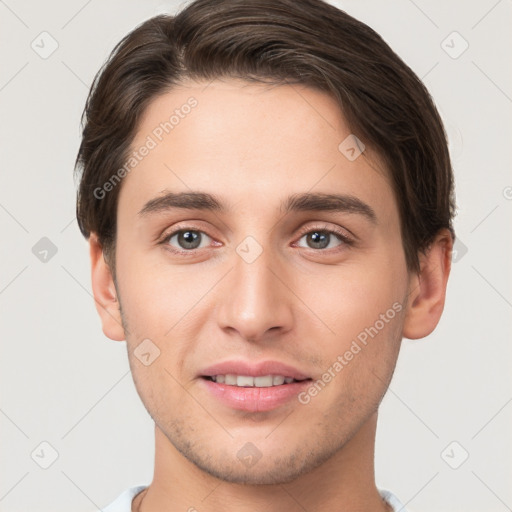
(268, 197)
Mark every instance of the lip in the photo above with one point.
(254, 399)
(254, 369)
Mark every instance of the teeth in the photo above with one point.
(242, 380)
(277, 380)
(263, 381)
(230, 379)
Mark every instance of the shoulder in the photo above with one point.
(123, 503)
(390, 498)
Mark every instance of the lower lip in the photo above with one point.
(255, 399)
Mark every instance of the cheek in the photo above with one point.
(154, 295)
(362, 315)
(359, 356)
(353, 298)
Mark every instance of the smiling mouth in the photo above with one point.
(247, 381)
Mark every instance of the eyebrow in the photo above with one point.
(303, 202)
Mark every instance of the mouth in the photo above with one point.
(248, 381)
(253, 387)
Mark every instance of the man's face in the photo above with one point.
(254, 283)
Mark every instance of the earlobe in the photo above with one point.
(427, 290)
(104, 292)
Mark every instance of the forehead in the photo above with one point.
(247, 141)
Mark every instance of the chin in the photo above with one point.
(268, 474)
(273, 469)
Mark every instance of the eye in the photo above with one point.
(321, 238)
(187, 239)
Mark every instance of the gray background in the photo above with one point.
(64, 383)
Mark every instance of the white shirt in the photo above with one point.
(123, 503)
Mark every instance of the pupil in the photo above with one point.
(188, 239)
(318, 237)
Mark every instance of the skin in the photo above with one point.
(253, 145)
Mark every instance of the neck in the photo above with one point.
(344, 482)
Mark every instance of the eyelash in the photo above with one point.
(347, 241)
(344, 238)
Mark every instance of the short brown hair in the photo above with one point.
(306, 42)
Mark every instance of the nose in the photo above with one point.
(256, 301)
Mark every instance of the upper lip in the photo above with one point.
(253, 369)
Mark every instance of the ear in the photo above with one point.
(104, 291)
(427, 289)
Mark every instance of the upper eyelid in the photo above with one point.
(335, 230)
(302, 232)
